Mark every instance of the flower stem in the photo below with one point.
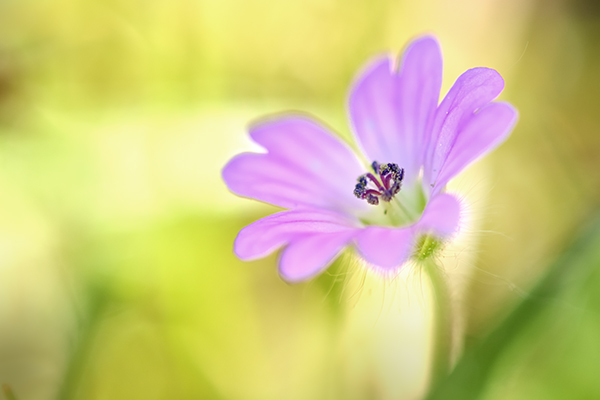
(442, 325)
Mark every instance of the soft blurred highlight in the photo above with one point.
(117, 277)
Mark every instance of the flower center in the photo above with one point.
(384, 185)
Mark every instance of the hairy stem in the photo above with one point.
(442, 325)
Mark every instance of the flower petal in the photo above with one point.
(266, 235)
(373, 106)
(441, 216)
(482, 133)
(310, 254)
(419, 88)
(472, 90)
(386, 248)
(391, 111)
(304, 166)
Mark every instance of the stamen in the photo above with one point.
(359, 191)
(375, 181)
(388, 183)
(373, 192)
(373, 200)
(375, 166)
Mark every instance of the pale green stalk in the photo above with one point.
(442, 316)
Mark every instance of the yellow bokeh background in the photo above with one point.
(117, 277)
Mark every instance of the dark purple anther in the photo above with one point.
(388, 183)
(359, 191)
(400, 174)
(375, 166)
(372, 199)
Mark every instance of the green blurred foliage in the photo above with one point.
(117, 277)
(546, 348)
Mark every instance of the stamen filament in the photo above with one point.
(386, 181)
(375, 181)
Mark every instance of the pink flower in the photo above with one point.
(384, 203)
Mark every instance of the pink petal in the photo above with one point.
(472, 90)
(304, 166)
(386, 248)
(373, 107)
(311, 254)
(441, 216)
(392, 111)
(482, 133)
(266, 235)
(420, 83)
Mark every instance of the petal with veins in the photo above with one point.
(305, 166)
(266, 235)
(472, 90)
(391, 112)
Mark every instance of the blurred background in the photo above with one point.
(117, 278)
